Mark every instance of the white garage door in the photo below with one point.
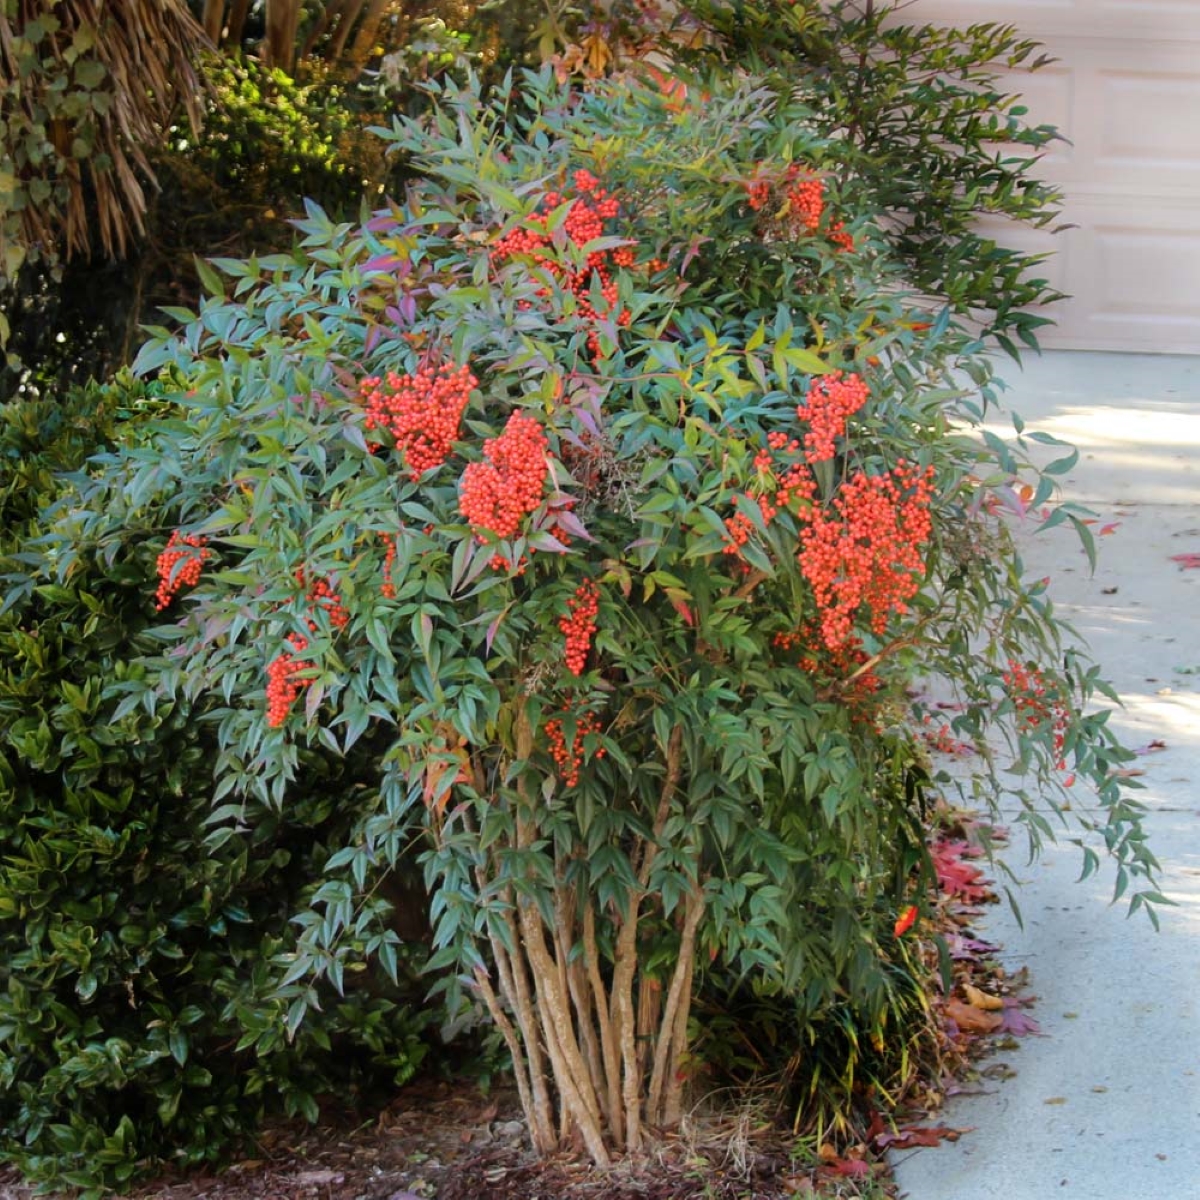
(1126, 92)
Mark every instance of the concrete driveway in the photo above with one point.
(1106, 1106)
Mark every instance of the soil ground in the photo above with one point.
(441, 1141)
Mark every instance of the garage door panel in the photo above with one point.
(1049, 94)
(1125, 91)
(1123, 20)
(1149, 119)
(1133, 276)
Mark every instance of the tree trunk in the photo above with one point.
(279, 46)
(368, 32)
(236, 25)
(214, 20)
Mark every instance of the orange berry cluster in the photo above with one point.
(500, 492)
(321, 592)
(800, 200)
(589, 209)
(805, 199)
(569, 760)
(785, 487)
(837, 663)
(830, 401)
(864, 551)
(580, 625)
(758, 194)
(1037, 706)
(839, 237)
(282, 685)
(422, 411)
(388, 588)
(179, 566)
(941, 740)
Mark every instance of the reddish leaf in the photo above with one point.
(962, 947)
(905, 921)
(851, 1168)
(1151, 747)
(1015, 1022)
(969, 1019)
(913, 1136)
(955, 876)
(1187, 562)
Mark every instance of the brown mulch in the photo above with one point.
(441, 1141)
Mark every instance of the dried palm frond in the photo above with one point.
(74, 169)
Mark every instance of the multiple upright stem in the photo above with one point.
(597, 1045)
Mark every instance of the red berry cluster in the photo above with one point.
(830, 401)
(388, 588)
(805, 199)
(941, 740)
(501, 562)
(321, 592)
(1037, 705)
(799, 197)
(179, 566)
(864, 551)
(785, 483)
(758, 194)
(500, 492)
(589, 209)
(569, 760)
(802, 198)
(836, 664)
(580, 625)
(422, 411)
(282, 685)
(839, 237)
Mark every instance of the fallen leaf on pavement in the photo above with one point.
(1151, 747)
(919, 1135)
(962, 947)
(1017, 1023)
(978, 999)
(955, 875)
(1187, 562)
(972, 1020)
(1126, 773)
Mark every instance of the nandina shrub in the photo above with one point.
(640, 495)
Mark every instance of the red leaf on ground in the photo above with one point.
(955, 876)
(1151, 747)
(1015, 1022)
(962, 947)
(851, 1168)
(919, 1135)
(1187, 562)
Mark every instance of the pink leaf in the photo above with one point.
(1015, 1022)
